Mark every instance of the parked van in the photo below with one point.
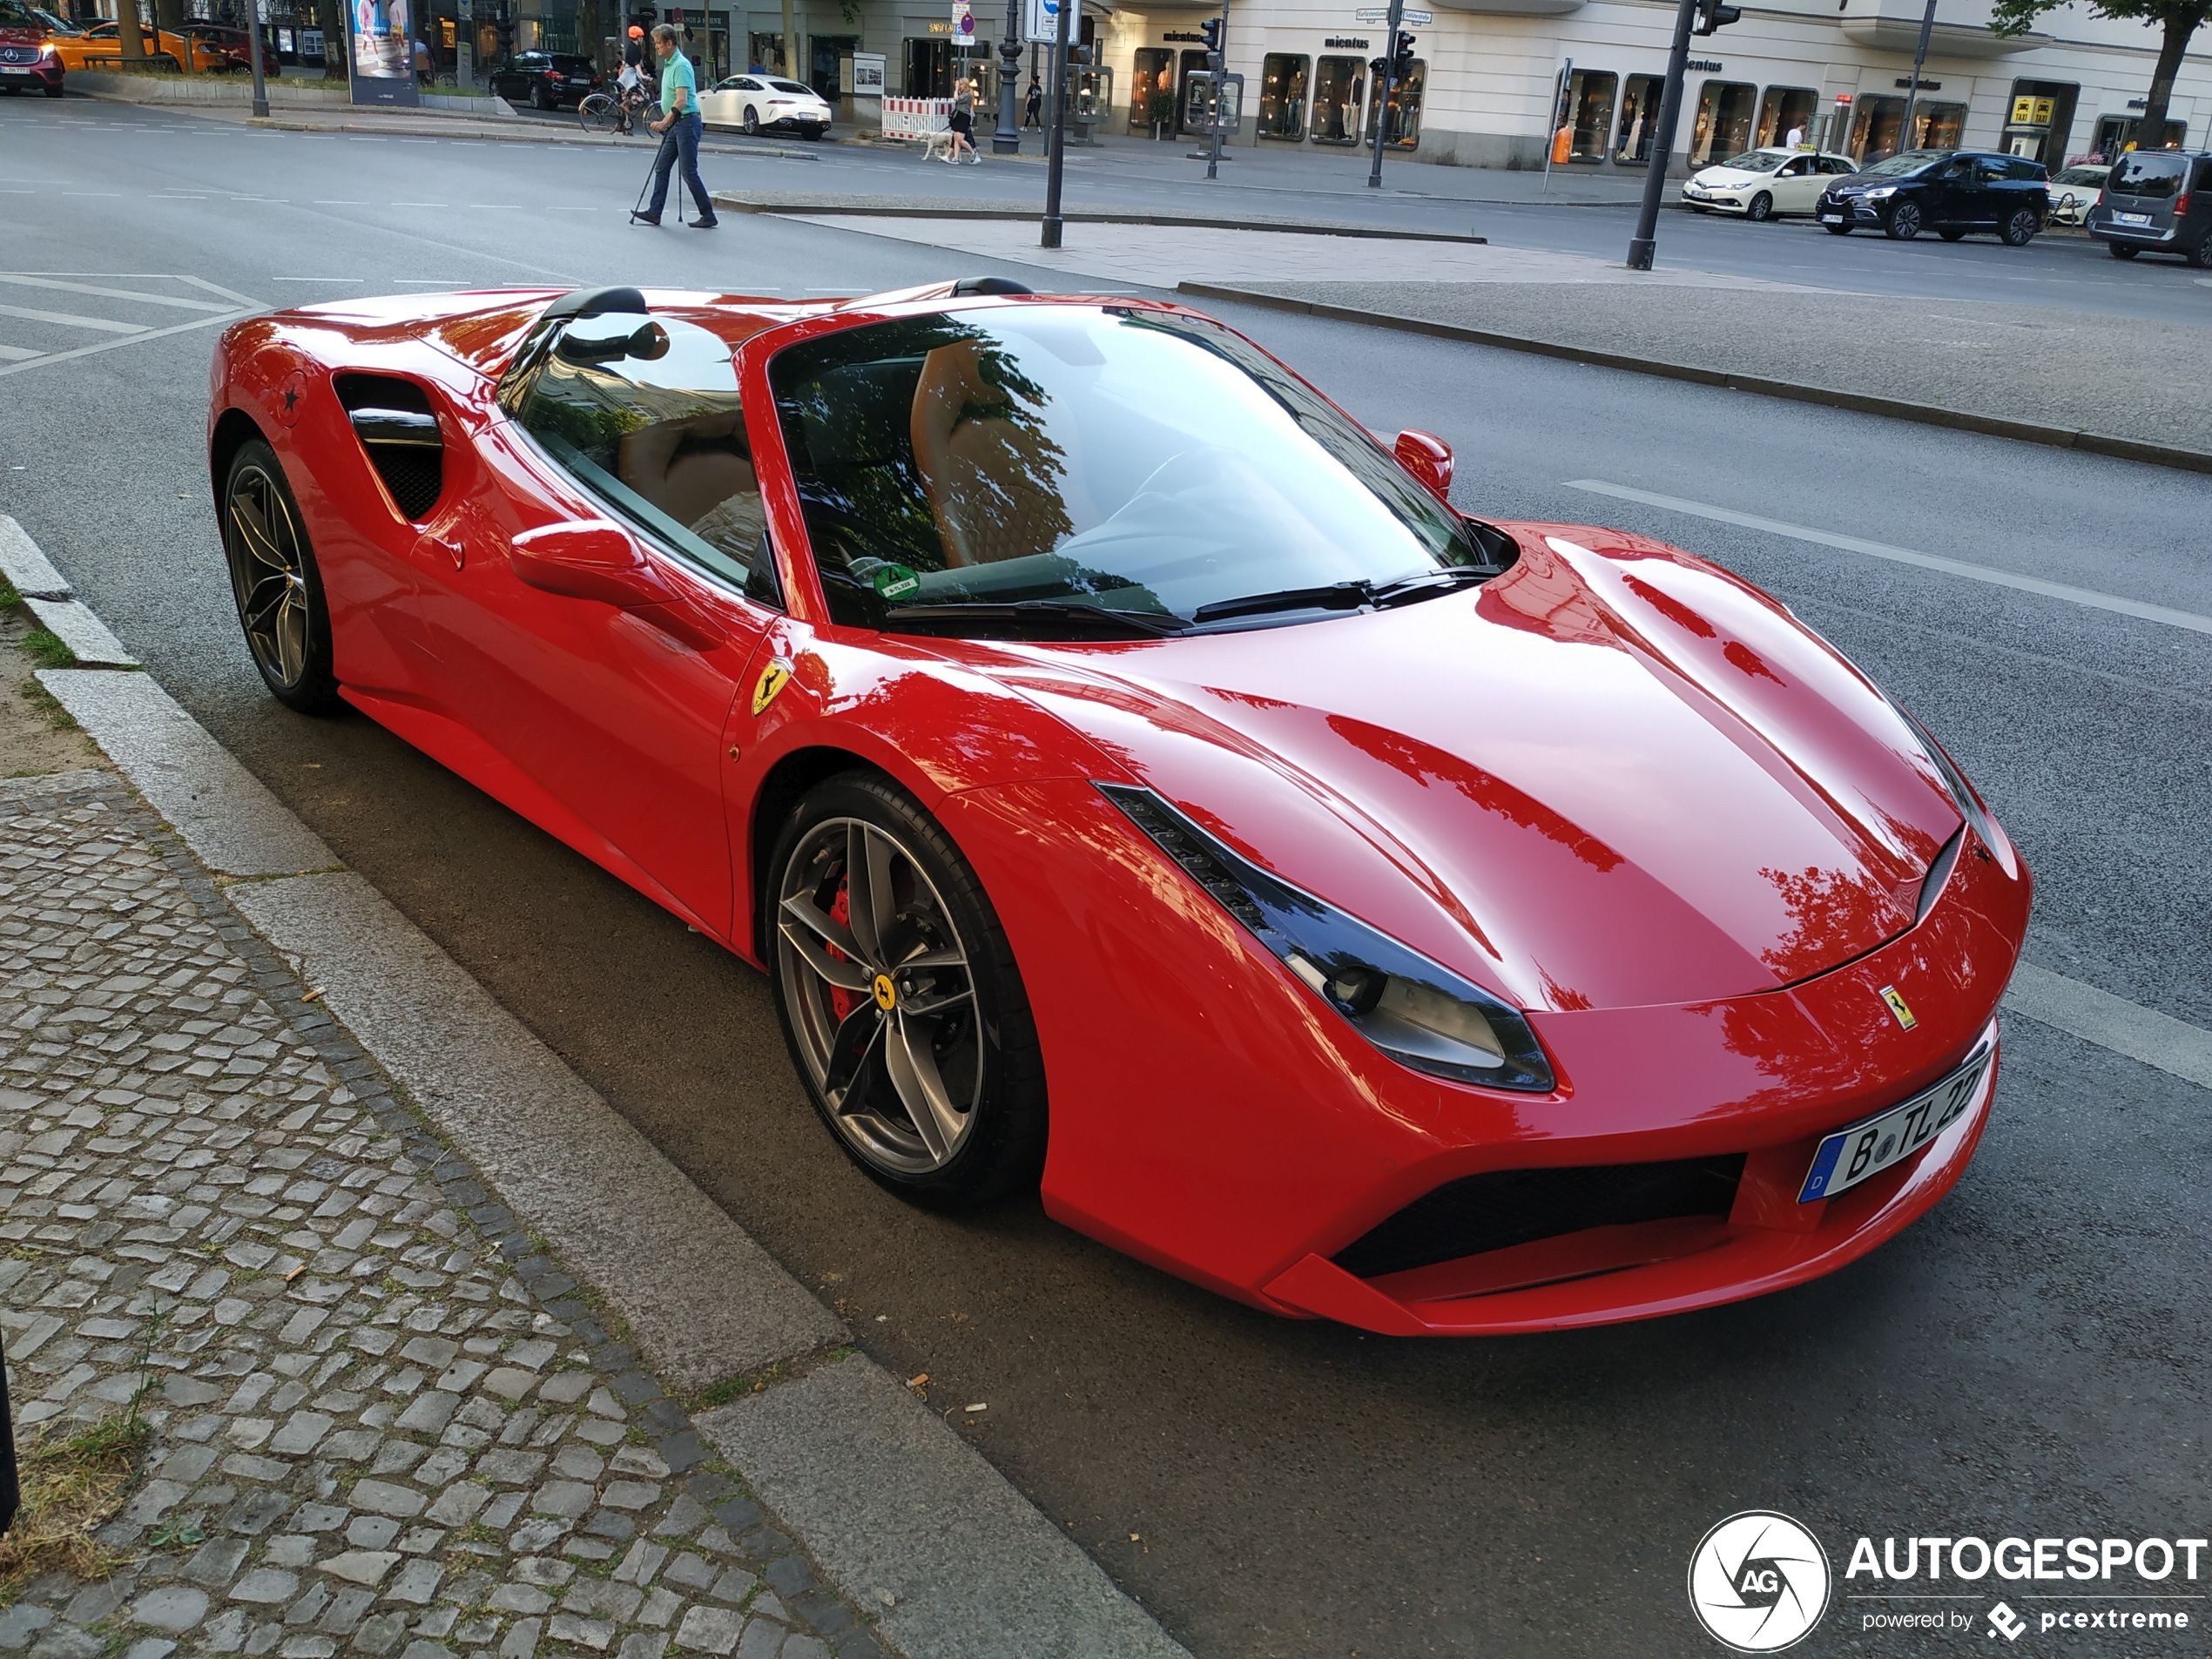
(2160, 200)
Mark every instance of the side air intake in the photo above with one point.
(393, 419)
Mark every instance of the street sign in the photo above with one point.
(1041, 21)
(963, 20)
(1376, 14)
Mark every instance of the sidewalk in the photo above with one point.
(341, 1316)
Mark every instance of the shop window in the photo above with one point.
(1153, 71)
(1403, 130)
(1339, 86)
(1938, 126)
(1723, 124)
(1639, 117)
(1282, 97)
(1590, 112)
(1876, 124)
(2116, 132)
(1784, 109)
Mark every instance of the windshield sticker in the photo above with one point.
(895, 582)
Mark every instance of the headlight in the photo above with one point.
(1961, 792)
(1880, 191)
(1417, 1012)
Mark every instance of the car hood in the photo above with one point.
(1614, 777)
(1726, 178)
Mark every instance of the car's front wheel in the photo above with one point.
(1762, 208)
(900, 997)
(276, 583)
(1904, 222)
(1837, 230)
(2019, 230)
(1951, 234)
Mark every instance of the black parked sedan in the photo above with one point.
(1949, 191)
(545, 80)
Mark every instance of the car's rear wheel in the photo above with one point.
(276, 583)
(900, 997)
(1905, 222)
(2121, 251)
(540, 97)
(1762, 208)
(2019, 230)
(752, 121)
(2200, 255)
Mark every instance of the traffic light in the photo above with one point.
(1401, 60)
(1711, 15)
(1210, 31)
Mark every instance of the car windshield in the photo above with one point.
(1908, 161)
(1111, 458)
(792, 86)
(2081, 176)
(17, 17)
(2137, 174)
(38, 18)
(1756, 161)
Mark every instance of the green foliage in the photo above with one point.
(49, 649)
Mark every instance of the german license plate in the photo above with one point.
(2133, 218)
(1832, 218)
(1853, 1155)
(9, 69)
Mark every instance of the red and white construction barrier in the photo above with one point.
(915, 118)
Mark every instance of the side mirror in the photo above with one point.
(1429, 458)
(587, 559)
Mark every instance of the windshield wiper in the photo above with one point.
(1023, 612)
(1333, 596)
(1426, 584)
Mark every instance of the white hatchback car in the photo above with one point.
(1760, 184)
(2074, 191)
(763, 103)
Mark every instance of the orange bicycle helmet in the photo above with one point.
(636, 32)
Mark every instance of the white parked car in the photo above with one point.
(765, 103)
(1760, 184)
(2075, 192)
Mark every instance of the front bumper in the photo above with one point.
(46, 77)
(1209, 1117)
(1715, 201)
(1853, 210)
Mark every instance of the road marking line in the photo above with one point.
(109, 293)
(66, 319)
(17, 354)
(132, 340)
(2173, 1046)
(2085, 596)
(318, 278)
(334, 202)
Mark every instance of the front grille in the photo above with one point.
(18, 54)
(1508, 1207)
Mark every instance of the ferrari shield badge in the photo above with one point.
(1899, 1008)
(772, 680)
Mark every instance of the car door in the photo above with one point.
(612, 714)
(1797, 186)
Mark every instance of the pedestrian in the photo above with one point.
(425, 66)
(963, 123)
(1795, 140)
(680, 127)
(1032, 104)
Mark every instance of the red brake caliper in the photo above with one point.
(841, 913)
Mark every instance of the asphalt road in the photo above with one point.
(2029, 1358)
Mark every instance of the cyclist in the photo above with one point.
(630, 93)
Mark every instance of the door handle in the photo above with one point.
(439, 550)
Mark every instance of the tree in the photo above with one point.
(588, 31)
(2179, 19)
(128, 33)
(790, 43)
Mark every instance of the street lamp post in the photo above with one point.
(1055, 136)
(1382, 92)
(1919, 61)
(1663, 142)
(1007, 141)
(253, 39)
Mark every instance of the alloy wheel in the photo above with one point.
(1762, 208)
(2020, 230)
(268, 574)
(1904, 221)
(880, 995)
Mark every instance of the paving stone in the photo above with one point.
(362, 1566)
(709, 1630)
(175, 1607)
(417, 1581)
(383, 1498)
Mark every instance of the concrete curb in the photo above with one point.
(272, 124)
(848, 210)
(704, 1303)
(2159, 455)
(47, 592)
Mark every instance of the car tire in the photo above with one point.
(1951, 234)
(276, 583)
(983, 1049)
(1837, 230)
(752, 122)
(2019, 230)
(53, 92)
(1904, 222)
(2200, 255)
(2121, 250)
(540, 98)
(1761, 209)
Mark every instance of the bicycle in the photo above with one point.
(615, 113)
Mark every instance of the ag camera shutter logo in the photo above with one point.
(1759, 1581)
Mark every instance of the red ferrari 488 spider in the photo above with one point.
(1137, 778)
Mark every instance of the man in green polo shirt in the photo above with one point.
(680, 127)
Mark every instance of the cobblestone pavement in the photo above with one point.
(385, 1422)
